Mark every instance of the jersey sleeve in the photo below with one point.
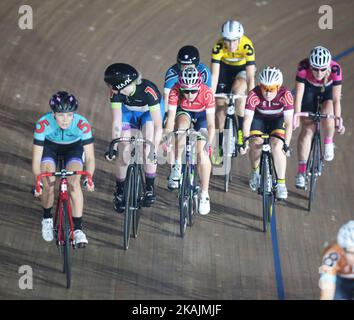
(171, 78)
(85, 130)
(248, 51)
(288, 103)
(217, 52)
(302, 71)
(116, 101)
(153, 97)
(209, 101)
(330, 262)
(173, 98)
(41, 129)
(206, 74)
(252, 102)
(336, 74)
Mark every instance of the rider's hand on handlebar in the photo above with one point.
(108, 158)
(287, 150)
(340, 130)
(34, 191)
(87, 186)
(244, 148)
(296, 122)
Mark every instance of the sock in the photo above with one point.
(47, 213)
(301, 167)
(328, 140)
(240, 122)
(256, 169)
(77, 223)
(204, 194)
(150, 181)
(221, 137)
(281, 181)
(120, 186)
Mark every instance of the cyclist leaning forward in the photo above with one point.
(269, 109)
(136, 105)
(316, 74)
(192, 101)
(233, 68)
(68, 134)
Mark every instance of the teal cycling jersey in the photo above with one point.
(48, 129)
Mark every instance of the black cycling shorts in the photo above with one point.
(227, 77)
(344, 289)
(309, 100)
(72, 152)
(268, 126)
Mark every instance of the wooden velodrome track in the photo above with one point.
(225, 255)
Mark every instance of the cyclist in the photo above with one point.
(188, 56)
(337, 269)
(316, 73)
(190, 100)
(269, 109)
(233, 67)
(136, 105)
(63, 132)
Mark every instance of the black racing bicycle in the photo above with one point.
(268, 177)
(134, 186)
(315, 161)
(231, 136)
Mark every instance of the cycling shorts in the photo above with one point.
(268, 126)
(309, 100)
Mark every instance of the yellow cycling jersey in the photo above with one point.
(244, 55)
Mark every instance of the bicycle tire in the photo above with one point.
(227, 147)
(129, 202)
(266, 195)
(67, 245)
(139, 191)
(184, 201)
(314, 169)
(191, 208)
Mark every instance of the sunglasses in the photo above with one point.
(188, 91)
(319, 69)
(273, 88)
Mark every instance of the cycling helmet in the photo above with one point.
(345, 237)
(271, 76)
(320, 57)
(120, 75)
(63, 101)
(190, 78)
(232, 30)
(188, 55)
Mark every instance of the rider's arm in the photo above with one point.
(117, 120)
(157, 121)
(37, 152)
(89, 158)
(215, 71)
(210, 116)
(173, 100)
(327, 284)
(247, 122)
(250, 74)
(288, 122)
(299, 93)
(337, 92)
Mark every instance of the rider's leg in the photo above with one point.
(329, 129)
(304, 143)
(239, 87)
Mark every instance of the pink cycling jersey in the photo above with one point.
(203, 102)
(281, 105)
(304, 74)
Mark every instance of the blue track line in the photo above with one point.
(273, 223)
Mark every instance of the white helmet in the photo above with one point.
(320, 57)
(232, 30)
(345, 237)
(271, 76)
(190, 78)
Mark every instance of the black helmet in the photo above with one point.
(63, 101)
(188, 55)
(120, 75)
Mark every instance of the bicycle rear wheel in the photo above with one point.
(184, 203)
(129, 204)
(67, 245)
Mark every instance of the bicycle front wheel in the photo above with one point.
(228, 147)
(314, 168)
(67, 245)
(138, 197)
(266, 192)
(184, 202)
(129, 205)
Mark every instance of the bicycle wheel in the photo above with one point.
(228, 145)
(191, 206)
(67, 245)
(314, 163)
(129, 203)
(184, 200)
(266, 191)
(139, 197)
